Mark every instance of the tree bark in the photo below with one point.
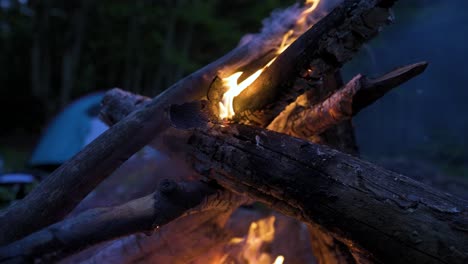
(371, 210)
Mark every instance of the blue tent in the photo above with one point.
(70, 131)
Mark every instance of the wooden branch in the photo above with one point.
(341, 136)
(180, 241)
(306, 121)
(172, 200)
(321, 50)
(61, 191)
(371, 210)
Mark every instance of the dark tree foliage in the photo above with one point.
(53, 51)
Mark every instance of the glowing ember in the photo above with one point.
(226, 109)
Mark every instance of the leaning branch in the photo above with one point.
(172, 200)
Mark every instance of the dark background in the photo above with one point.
(52, 52)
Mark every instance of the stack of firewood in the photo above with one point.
(290, 146)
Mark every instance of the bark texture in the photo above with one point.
(371, 210)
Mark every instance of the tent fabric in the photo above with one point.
(69, 132)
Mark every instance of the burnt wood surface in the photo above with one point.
(369, 209)
(392, 217)
(321, 50)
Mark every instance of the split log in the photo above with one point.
(61, 191)
(306, 121)
(341, 136)
(172, 200)
(373, 211)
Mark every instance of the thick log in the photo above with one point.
(321, 50)
(147, 214)
(306, 121)
(371, 210)
(61, 191)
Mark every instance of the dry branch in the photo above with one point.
(180, 241)
(394, 218)
(172, 200)
(305, 121)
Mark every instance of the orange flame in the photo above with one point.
(279, 260)
(226, 109)
(252, 245)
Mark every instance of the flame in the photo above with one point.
(226, 109)
(279, 260)
(252, 245)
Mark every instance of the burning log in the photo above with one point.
(373, 90)
(305, 121)
(389, 216)
(321, 50)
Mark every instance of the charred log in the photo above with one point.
(371, 210)
(321, 50)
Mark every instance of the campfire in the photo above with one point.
(234, 88)
(273, 171)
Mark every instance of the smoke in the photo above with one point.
(282, 20)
